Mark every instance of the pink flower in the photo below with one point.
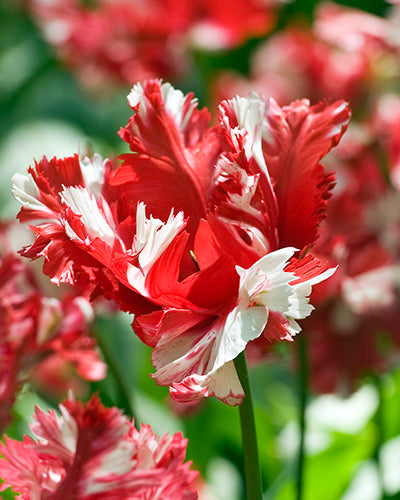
(201, 232)
(91, 452)
(347, 53)
(35, 327)
(353, 29)
(295, 62)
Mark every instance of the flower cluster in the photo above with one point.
(40, 333)
(346, 53)
(128, 40)
(90, 452)
(217, 234)
(203, 232)
(355, 55)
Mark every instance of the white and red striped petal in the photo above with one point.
(193, 352)
(174, 153)
(91, 452)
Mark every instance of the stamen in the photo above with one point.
(192, 255)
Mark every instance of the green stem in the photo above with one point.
(116, 369)
(379, 421)
(249, 435)
(303, 396)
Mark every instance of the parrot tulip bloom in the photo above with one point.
(89, 452)
(197, 231)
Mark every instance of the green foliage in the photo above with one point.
(7, 494)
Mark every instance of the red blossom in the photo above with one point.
(194, 227)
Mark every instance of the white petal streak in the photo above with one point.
(179, 358)
(241, 327)
(96, 216)
(263, 287)
(223, 383)
(105, 472)
(372, 290)
(68, 428)
(247, 183)
(267, 285)
(299, 304)
(154, 236)
(176, 104)
(25, 190)
(93, 173)
(136, 98)
(250, 115)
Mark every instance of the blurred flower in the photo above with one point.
(201, 232)
(358, 308)
(128, 40)
(91, 452)
(35, 327)
(346, 54)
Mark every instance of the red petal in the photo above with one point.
(300, 136)
(172, 165)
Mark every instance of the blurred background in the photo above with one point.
(66, 67)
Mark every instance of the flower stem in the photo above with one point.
(303, 396)
(116, 369)
(380, 437)
(249, 436)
